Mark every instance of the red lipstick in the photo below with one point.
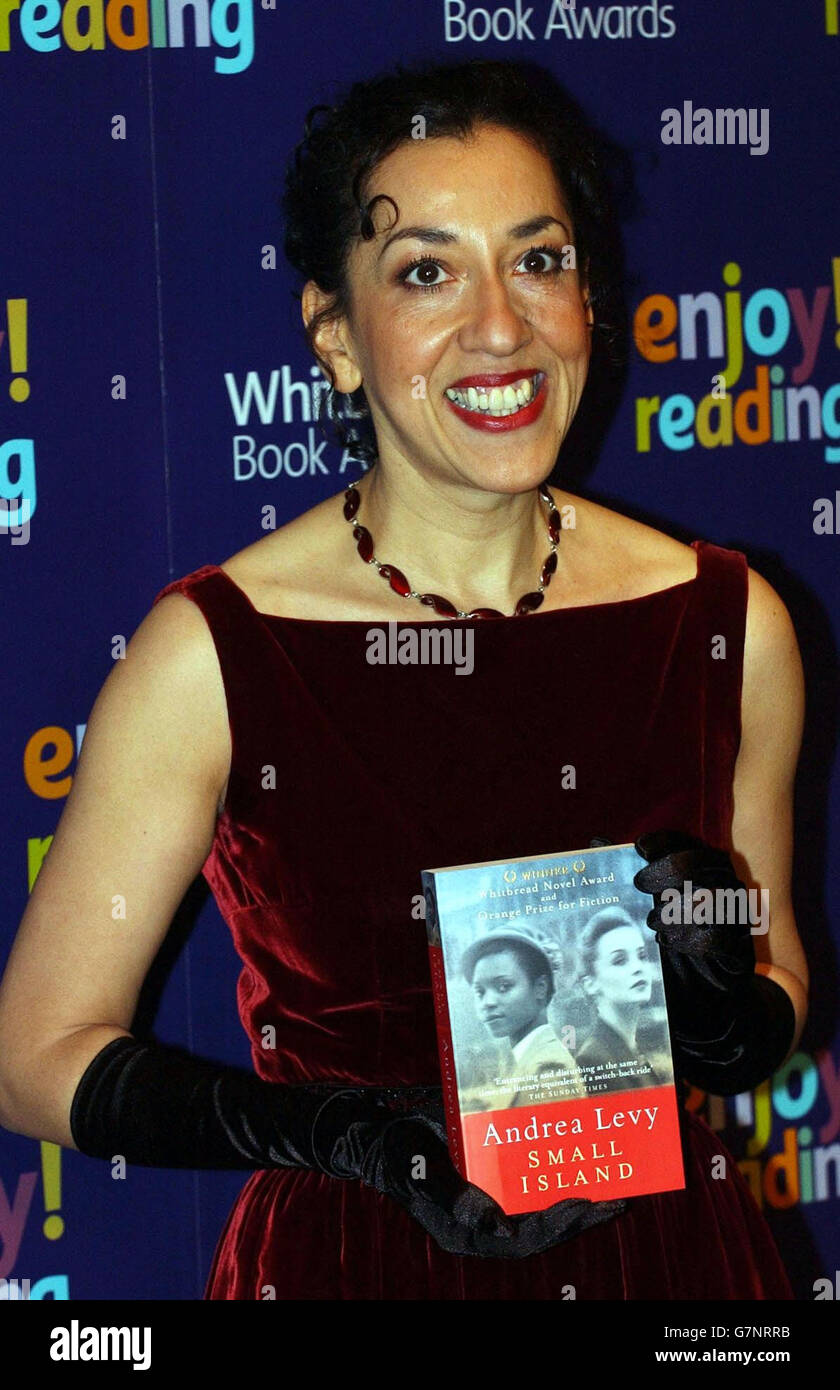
(499, 424)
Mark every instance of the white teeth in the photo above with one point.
(497, 401)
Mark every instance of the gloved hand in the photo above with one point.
(160, 1107)
(407, 1158)
(707, 967)
(730, 1027)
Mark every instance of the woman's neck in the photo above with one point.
(477, 549)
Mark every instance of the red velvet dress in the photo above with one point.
(383, 770)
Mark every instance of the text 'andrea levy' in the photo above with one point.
(414, 645)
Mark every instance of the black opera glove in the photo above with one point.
(730, 1027)
(160, 1107)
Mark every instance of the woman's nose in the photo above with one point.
(495, 321)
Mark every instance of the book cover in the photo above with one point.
(557, 1073)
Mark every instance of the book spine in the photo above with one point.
(444, 1028)
(447, 1060)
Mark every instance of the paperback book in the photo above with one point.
(552, 1026)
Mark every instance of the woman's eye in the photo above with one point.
(539, 261)
(423, 275)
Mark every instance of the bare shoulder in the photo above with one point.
(173, 647)
(171, 670)
(611, 556)
(770, 627)
(773, 684)
(293, 569)
(648, 559)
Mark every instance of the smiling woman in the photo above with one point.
(312, 786)
(482, 290)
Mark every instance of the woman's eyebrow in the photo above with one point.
(438, 236)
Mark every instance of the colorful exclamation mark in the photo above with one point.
(835, 267)
(16, 320)
(51, 1172)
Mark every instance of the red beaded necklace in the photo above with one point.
(400, 585)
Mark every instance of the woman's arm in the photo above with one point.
(139, 823)
(772, 715)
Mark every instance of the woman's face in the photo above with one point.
(505, 998)
(483, 299)
(622, 973)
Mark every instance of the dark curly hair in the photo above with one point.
(326, 210)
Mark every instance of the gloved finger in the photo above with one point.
(482, 1229)
(688, 938)
(433, 1114)
(713, 869)
(540, 1230)
(417, 1127)
(476, 1210)
(408, 1154)
(655, 844)
(468, 1223)
(721, 939)
(580, 1212)
(598, 842)
(493, 1234)
(706, 867)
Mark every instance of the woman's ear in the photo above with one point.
(589, 985)
(331, 339)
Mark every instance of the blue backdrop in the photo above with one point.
(149, 343)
